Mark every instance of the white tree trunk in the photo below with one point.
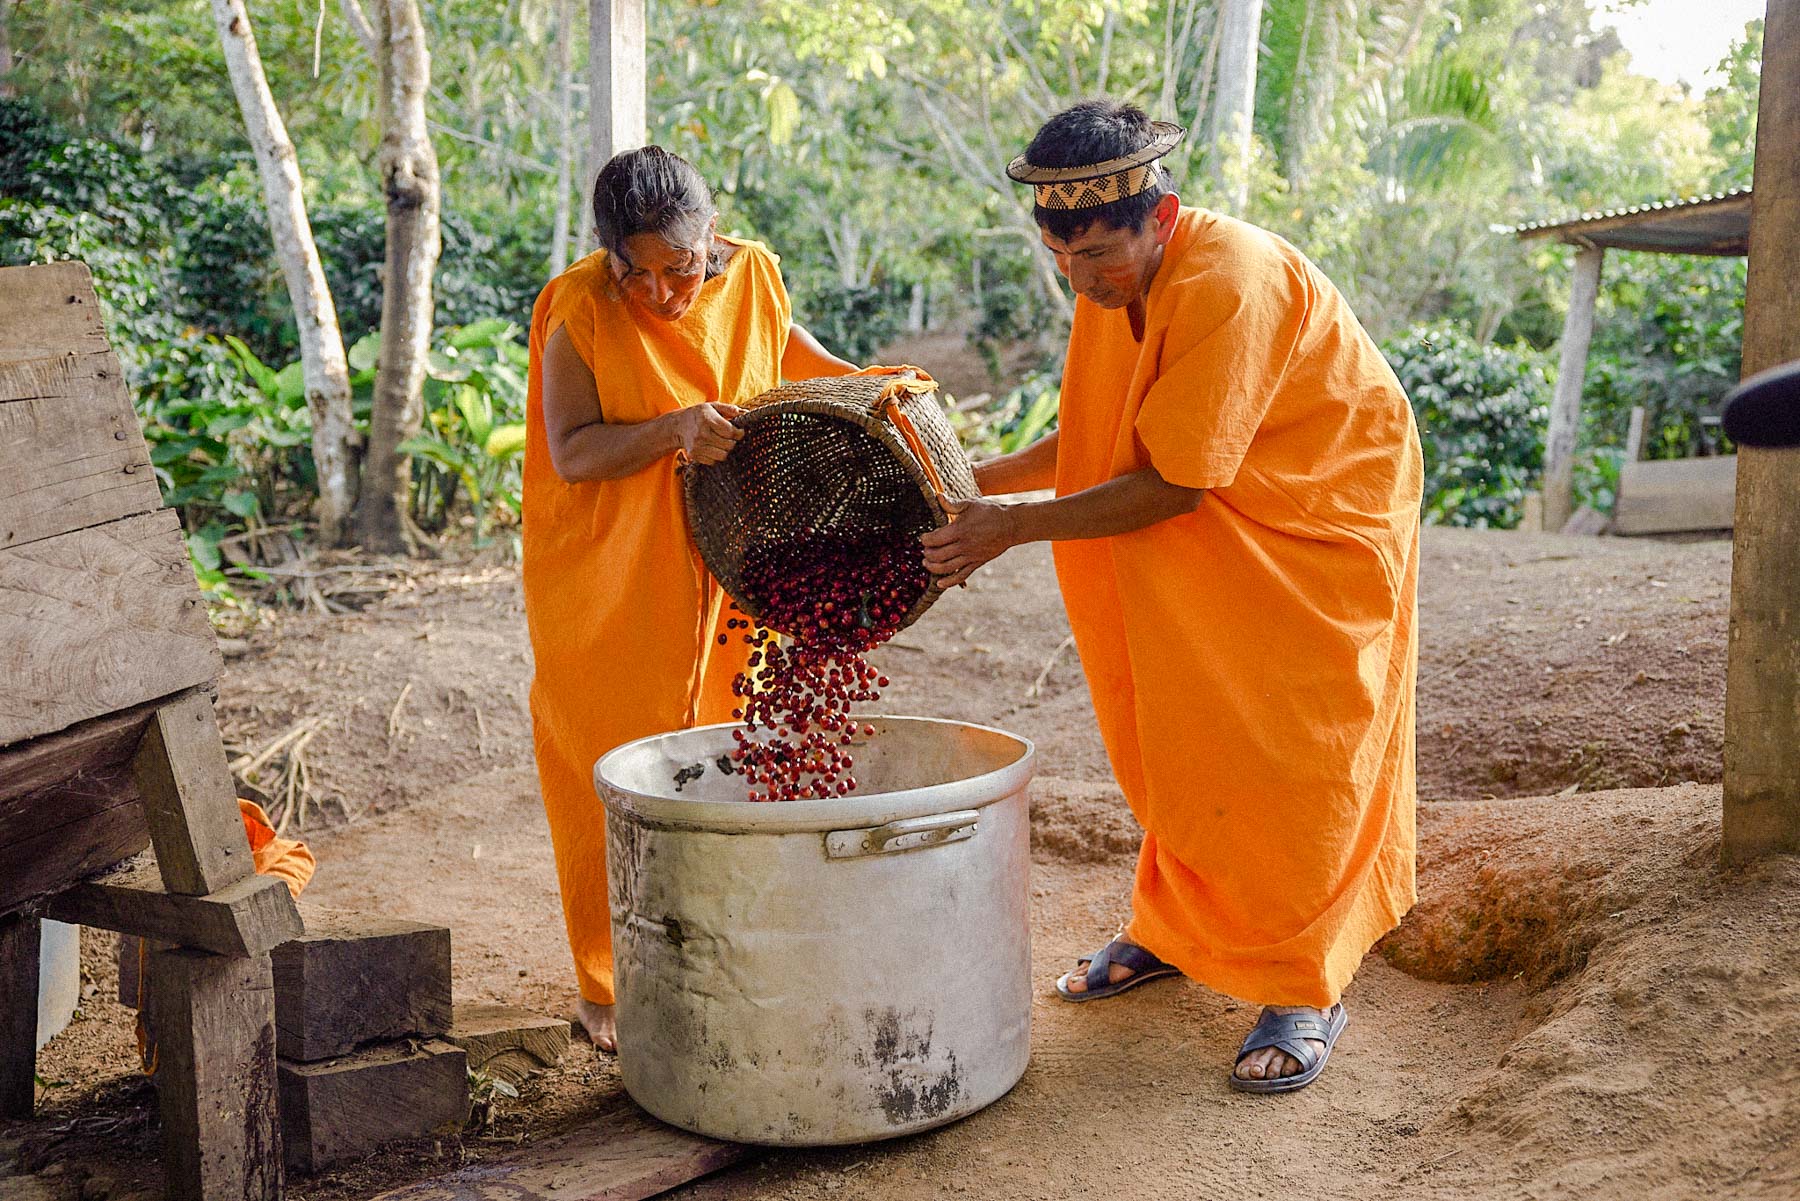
(323, 364)
(409, 180)
(1234, 102)
(565, 132)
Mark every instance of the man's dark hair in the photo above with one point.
(650, 191)
(1093, 132)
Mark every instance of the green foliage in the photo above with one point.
(851, 322)
(1481, 412)
(472, 439)
(1019, 418)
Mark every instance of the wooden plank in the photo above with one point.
(508, 1043)
(47, 862)
(354, 978)
(1565, 406)
(71, 452)
(344, 1108)
(190, 799)
(47, 310)
(96, 621)
(244, 919)
(19, 951)
(212, 1020)
(1661, 496)
(28, 769)
(622, 1154)
(1762, 675)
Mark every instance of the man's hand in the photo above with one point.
(979, 530)
(705, 432)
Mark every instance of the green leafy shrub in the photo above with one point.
(853, 323)
(1481, 411)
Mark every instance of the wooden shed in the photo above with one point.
(1664, 495)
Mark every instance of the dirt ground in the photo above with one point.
(1583, 1004)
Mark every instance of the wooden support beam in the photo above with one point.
(213, 1029)
(190, 801)
(616, 93)
(1565, 407)
(1762, 676)
(343, 1108)
(19, 952)
(244, 919)
(355, 978)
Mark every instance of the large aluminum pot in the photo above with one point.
(815, 972)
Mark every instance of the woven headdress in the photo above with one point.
(1095, 184)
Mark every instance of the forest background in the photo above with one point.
(1395, 142)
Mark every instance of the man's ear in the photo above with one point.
(1166, 211)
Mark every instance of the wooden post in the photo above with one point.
(19, 950)
(1565, 409)
(212, 1019)
(190, 801)
(616, 99)
(1762, 675)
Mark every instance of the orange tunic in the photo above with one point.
(623, 616)
(1252, 664)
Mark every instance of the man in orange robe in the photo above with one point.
(1237, 479)
(637, 352)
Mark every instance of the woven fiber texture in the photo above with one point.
(826, 456)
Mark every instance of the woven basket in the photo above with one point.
(828, 456)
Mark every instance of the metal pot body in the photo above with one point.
(822, 972)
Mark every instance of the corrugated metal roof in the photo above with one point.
(1711, 224)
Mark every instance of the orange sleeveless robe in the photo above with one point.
(623, 616)
(1252, 664)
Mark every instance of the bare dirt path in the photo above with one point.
(1581, 1005)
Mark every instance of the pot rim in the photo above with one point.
(805, 817)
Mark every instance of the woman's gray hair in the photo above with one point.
(651, 191)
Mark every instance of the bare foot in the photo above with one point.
(1271, 1063)
(1076, 981)
(601, 1026)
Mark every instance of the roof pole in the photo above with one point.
(1762, 674)
(616, 99)
(1565, 408)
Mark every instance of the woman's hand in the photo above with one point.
(979, 530)
(704, 431)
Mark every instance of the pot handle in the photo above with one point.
(908, 834)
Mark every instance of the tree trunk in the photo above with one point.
(324, 366)
(6, 58)
(409, 180)
(565, 132)
(1315, 88)
(1234, 104)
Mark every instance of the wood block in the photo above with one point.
(507, 1043)
(99, 620)
(214, 1023)
(623, 1154)
(1665, 496)
(49, 309)
(342, 1108)
(190, 800)
(71, 453)
(19, 952)
(354, 978)
(242, 919)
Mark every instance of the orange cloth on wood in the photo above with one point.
(288, 859)
(623, 615)
(1252, 664)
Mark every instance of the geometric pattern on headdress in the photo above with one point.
(1094, 184)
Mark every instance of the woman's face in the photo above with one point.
(661, 279)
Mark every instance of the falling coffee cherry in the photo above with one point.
(837, 599)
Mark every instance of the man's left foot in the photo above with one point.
(1288, 1048)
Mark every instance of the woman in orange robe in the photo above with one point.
(638, 353)
(1238, 481)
